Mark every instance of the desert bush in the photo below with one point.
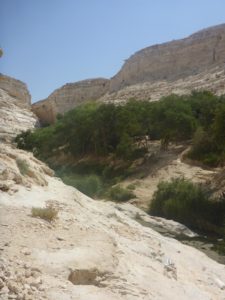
(48, 213)
(120, 194)
(90, 185)
(131, 186)
(188, 203)
(23, 166)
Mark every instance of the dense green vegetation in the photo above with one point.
(97, 179)
(114, 136)
(190, 204)
(105, 129)
(120, 194)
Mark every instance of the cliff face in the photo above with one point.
(68, 97)
(194, 63)
(174, 60)
(16, 89)
(15, 112)
(211, 80)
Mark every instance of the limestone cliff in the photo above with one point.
(174, 60)
(193, 63)
(16, 89)
(211, 80)
(15, 109)
(69, 96)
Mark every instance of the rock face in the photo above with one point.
(174, 60)
(194, 63)
(16, 89)
(211, 80)
(15, 112)
(68, 97)
(93, 250)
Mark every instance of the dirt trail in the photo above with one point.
(167, 165)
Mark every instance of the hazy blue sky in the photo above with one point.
(48, 43)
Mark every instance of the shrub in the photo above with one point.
(120, 194)
(185, 202)
(48, 213)
(23, 166)
(131, 186)
(90, 185)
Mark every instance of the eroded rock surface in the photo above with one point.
(68, 97)
(15, 109)
(174, 60)
(16, 89)
(193, 63)
(95, 250)
(211, 80)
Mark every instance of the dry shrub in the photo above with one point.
(48, 213)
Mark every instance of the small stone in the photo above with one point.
(35, 269)
(36, 282)
(29, 292)
(2, 284)
(8, 273)
(2, 266)
(27, 273)
(4, 290)
(20, 279)
(19, 262)
(26, 286)
(12, 296)
(41, 288)
(13, 287)
(27, 266)
(19, 297)
(33, 288)
(26, 252)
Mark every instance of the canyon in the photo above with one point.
(93, 249)
(99, 249)
(193, 63)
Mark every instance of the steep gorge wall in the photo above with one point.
(15, 109)
(174, 60)
(193, 63)
(16, 89)
(68, 97)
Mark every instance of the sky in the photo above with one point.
(48, 43)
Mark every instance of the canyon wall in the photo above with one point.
(15, 109)
(193, 63)
(174, 60)
(68, 97)
(16, 89)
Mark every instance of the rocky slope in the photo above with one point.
(15, 108)
(211, 80)
(69, 96)
(193, 63)
(93, 250)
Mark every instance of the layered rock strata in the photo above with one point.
(16, 89)
(68, 97)
(174, 60)
(193, 63)
(15, 109)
